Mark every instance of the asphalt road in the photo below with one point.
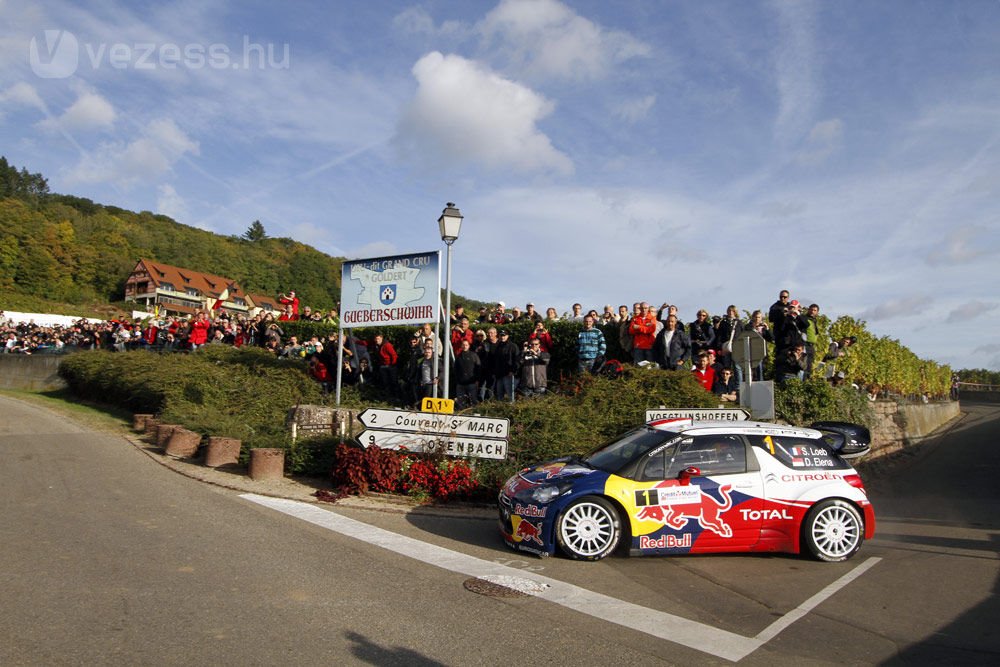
(107, 557)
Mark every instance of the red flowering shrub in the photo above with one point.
(359, 471)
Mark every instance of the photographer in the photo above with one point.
(534, 369)
(542, 335)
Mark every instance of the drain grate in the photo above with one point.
(501, 586)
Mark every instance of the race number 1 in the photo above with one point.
(440, 405)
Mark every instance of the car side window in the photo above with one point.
(656, 465)
(711, 454)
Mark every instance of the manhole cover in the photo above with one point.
(501, 586)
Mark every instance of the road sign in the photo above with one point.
(699, 414)
(439, 405)
(750, 347)
(427, 422)
(484, 448)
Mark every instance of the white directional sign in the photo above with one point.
(433, 443)
(426, 422)
(699, 414)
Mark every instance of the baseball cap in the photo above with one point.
(501, 304)
(504, 332)
(794, 303)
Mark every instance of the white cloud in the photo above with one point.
(795, 70)
(824, 140)
(416, 20)
(144, 159)
(464, 112)
(908, 306)
(22, 94)
(170, 203)
(90, 111)
(971, 310)
(635, 109)
(964, 244)
(545, 38)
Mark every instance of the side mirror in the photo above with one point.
(686, 474)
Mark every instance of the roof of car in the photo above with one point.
(691, 427)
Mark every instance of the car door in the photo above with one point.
(727, 504)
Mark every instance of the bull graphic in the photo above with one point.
(528, 531)
(706, 509)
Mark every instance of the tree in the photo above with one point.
(255, 232)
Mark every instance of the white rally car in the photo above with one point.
(676, 487)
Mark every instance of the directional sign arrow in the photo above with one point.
(699, 414)
(449, 444)
(425, 422)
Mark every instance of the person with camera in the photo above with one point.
(534, 368)
(504, 361)
(542, 335)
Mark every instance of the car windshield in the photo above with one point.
(615, 455)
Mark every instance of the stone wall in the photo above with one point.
(899, 426)
(30, 372)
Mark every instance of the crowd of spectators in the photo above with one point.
(486, 362)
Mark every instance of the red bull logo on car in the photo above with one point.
(674, 506)
(525, 531)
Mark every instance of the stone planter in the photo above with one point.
(267, 464)
(139, 421)
(183, 443)
(222, 451)
(152, 427)
(163, 433)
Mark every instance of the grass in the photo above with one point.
(102, 417)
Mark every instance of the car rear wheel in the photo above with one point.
(589, 529)
(833, 531)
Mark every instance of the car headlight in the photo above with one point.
(545, 494)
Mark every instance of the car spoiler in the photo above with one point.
(850, 441)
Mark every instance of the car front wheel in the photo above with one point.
(833, 531)
(589, 529)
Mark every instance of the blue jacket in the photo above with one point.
(590, 344)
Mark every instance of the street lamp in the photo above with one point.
(450, 224)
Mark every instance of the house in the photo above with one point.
(175, 291)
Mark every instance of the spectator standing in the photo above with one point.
(608, 316)
(500, 315)
(643, 331)
(531, 314)
(411, 372)
(624, 322)
(777, 311)
(702, 335)
(811, 336)
(486, 350)
(590, 346)
(290, 300)
(459, 333)
(331, 318)
(467, 371)
(726, 386)
(504, 365)
(674, 345)
(551, 315)
(542, 335)
(198, 331)
(577, 314)
(428, 374)
(386, 360)
(759, 326)
(426, 333)
(791, 363)
(534, 369)
(790, 329)
(703, 372)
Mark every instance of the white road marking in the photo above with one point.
(699, 636)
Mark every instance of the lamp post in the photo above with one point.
(449, 224)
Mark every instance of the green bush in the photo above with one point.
(802, 403)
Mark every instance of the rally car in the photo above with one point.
(684, 487)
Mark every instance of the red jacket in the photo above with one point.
(457, 336)
(387, 354)
(705, 378)
(643, 330)
(544, 341)
(199, 332)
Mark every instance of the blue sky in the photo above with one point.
(696, 153)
